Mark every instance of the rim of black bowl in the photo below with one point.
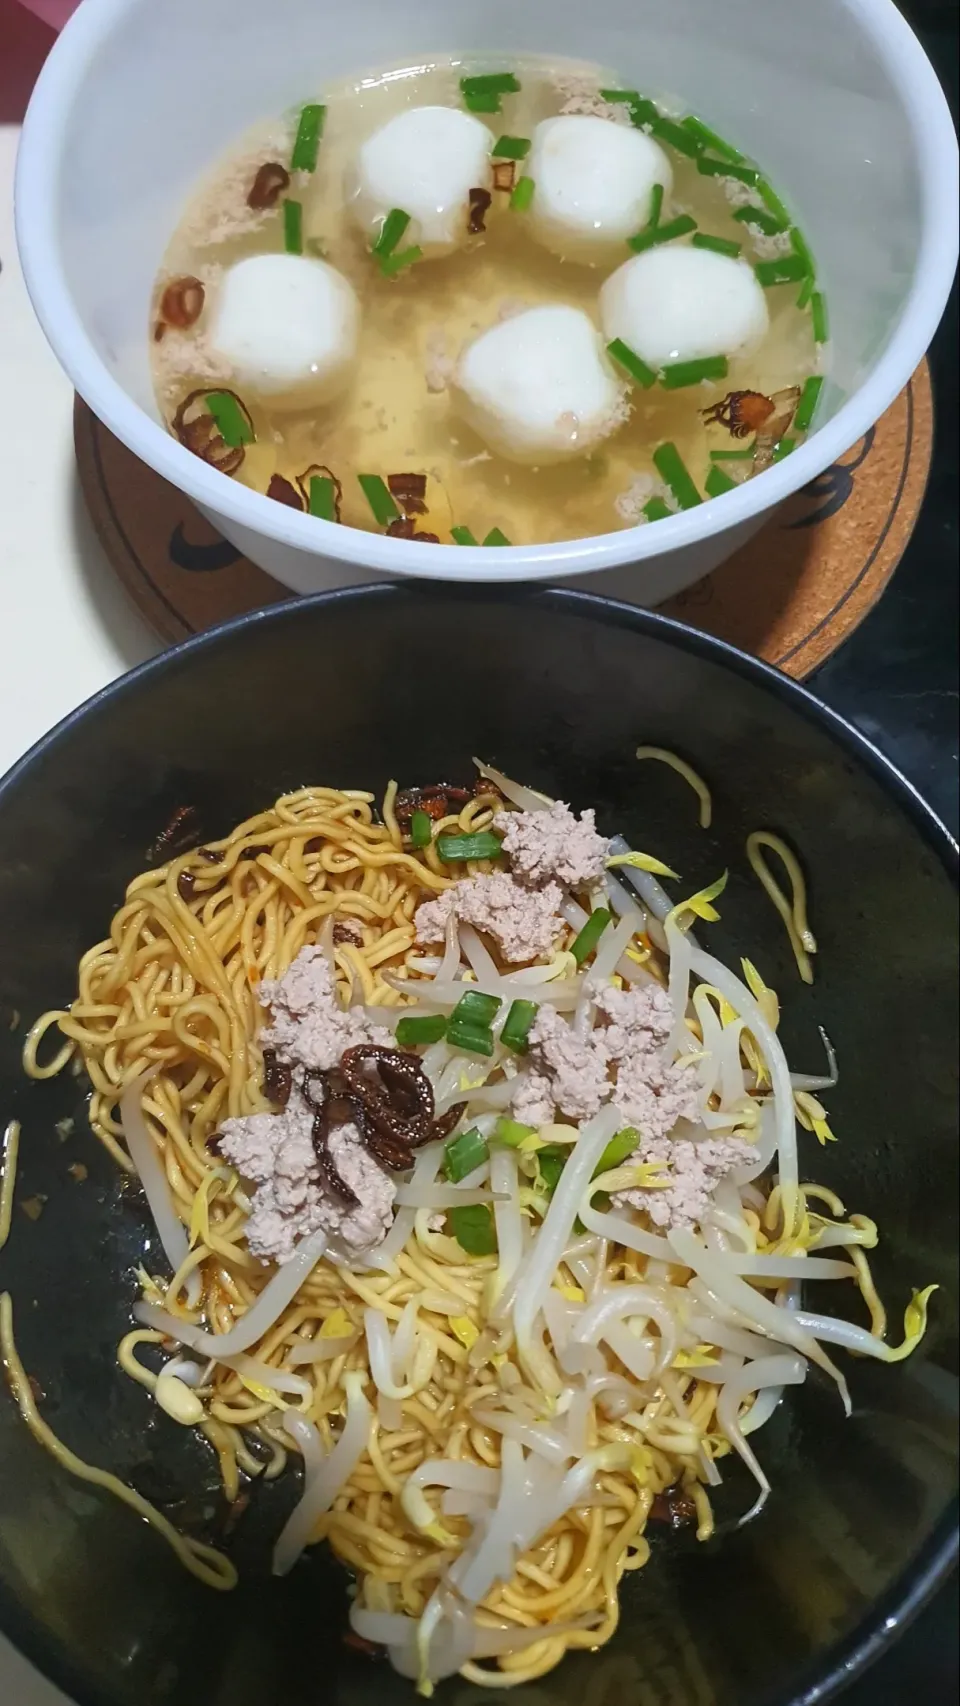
(901, 1603)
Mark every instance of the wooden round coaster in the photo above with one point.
(791, 596)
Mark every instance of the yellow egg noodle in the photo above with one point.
(584, 1368)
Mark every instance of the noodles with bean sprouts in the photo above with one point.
(545, 1337)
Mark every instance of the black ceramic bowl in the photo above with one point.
(559, 688)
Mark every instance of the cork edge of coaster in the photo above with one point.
(868, 585)
(855, 596)
(852, 601)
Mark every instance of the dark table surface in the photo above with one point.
(897, 680)
(897, 677)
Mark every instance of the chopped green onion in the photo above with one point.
(651, 235)
(464, 1154)
(682, 373)
(631, 363)
(734, 455)
(472, 1039)
(482, 101)
(475, 1008)
(617, 1150)
(643, 113)
(484, 94)
(391, 232)
(657, 510)
(430, 1028)
(807, 406)
(802, 248)
(307, 144)
(390, 265)
(511, 148)
(786, 269)
(590, 935)
(522, 194)
(720, 245)
(494, 82)
(421, 829)
(818, 315)
(770, 196)
(454, 849)
(806, 291)
(510, 1133)
(717, 482)
(642, 110)
(708, 138)
(785, 446)
(323, 497)
(378, 497)
(231, 422)
(678, 136)
(766, 222)
(712, 168)
(673, 471)
(473, 1228)
(293, 227)
(495, 537)
(550, 1164)
(463, 536)
(516, 1029)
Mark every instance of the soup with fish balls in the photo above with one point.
(488, 305)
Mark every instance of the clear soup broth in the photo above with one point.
(397, 416)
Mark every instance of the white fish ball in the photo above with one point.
(538, 387)
(425, 162)
(593, 183)
(288, 326)
(678, 304)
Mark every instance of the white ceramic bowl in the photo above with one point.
(835, 97)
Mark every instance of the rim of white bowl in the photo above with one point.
(35, 199)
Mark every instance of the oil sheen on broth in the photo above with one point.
(397, 414)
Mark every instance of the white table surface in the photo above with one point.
(66, 625)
